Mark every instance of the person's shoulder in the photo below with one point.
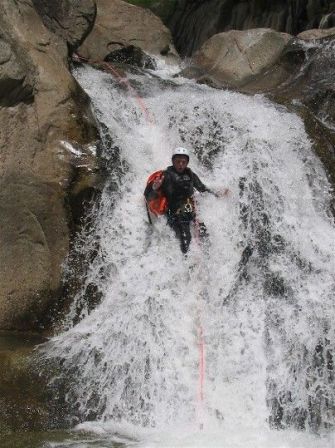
(191, 173)
(168, 171)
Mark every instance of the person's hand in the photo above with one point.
(158, 183)
(222, 193)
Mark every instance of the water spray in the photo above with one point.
(108, 67)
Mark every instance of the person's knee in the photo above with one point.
(203, 230)
(181, 226)
(185, 239)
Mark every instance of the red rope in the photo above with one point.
(123, 80)
(201, 345)
(201, 342)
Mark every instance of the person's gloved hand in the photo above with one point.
(222, 193)
(158, 183)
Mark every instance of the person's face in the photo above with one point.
(180, 163)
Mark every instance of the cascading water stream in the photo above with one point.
(264, 287)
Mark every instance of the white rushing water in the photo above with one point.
(266, 315)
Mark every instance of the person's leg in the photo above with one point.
(202, 229)
(185, 235)
(203, 235)
(181, 227)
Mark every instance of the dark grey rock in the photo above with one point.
(15, 85)
(70, 20)
(194, 21)
(133, 56)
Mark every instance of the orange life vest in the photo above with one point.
(158, 205)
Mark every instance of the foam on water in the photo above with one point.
(135, 356)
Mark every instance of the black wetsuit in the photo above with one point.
(178, 189)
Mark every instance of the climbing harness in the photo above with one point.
(187, 207)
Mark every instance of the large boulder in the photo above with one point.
(70, 20)
(236, 57)
(47, 163)
(119, 24)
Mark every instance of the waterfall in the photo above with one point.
(263, 288)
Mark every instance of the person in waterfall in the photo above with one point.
(176, 186)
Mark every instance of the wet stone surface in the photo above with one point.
(22, 393)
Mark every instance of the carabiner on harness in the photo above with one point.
(187, 207)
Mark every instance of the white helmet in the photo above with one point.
(180, 152)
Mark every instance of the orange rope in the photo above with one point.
(123, 80)
(201, 344)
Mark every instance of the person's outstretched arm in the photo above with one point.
(198, 185)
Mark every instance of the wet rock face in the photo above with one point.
(27, 402)
(46, 163)
(193, 22)
(119, 24)
(298, 73)
(309, 90)
(70, 20)
(23, 402)
(302, 79)
(328, 21)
